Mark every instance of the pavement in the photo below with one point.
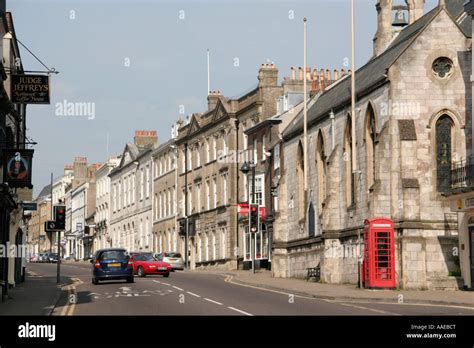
(264, 279)
(38, 295)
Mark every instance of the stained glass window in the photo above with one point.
(311, 221)
(443, 152)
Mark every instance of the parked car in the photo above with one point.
(112, 264)
(52, 258)
(145, 263)
(42, 257)
(173, 258)
(33, 258)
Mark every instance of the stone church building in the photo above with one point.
(413, 119)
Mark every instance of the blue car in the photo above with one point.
(112, 264)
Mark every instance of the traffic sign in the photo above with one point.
(29, 206)
(51, 226)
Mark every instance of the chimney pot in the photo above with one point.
(300, 73)
(293, 73)
(328, 75)
(336, 74)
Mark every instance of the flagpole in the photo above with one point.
(353, 135)
(208, 72)
(353, 96)
(305, 112)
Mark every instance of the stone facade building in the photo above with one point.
(264, 136)
(102, 238)
(39, 240)
(461, 197)
(131, 195)
(211, 150)
(165, 234)
(413, 102)
(80, 202)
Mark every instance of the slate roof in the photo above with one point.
(371, 74)
(135, 152)
(45, 192)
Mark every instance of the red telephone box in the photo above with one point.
(378, 268)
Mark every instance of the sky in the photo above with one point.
(136, 64)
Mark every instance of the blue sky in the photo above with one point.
(91, 42)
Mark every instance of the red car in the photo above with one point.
(144, 264)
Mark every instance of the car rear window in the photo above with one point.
(113, 255)
(172, 255)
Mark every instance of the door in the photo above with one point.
(471, 243)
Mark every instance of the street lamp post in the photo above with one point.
(245, 170)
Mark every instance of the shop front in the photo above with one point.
(464, 204)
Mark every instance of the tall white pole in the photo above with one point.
(353, 95)
(305, 113)
(353, 131)
(208, 72)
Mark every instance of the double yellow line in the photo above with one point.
(68, 308)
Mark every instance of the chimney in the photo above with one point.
(328, 75)
(314, 86)
(308, 74)
(300, 73)
(336, 74)
(80, 171)
(384, 34)
(268, 75)
(212, 99)
(293, 73)
(68, 169)
(415, 9)
(144, 138)
(322, 81)
(343, 72)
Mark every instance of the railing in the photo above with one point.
(462, 173)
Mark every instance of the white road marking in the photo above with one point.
(193, 294)
(177, 288)
(218, 303)
(403, 304)
(240, 311)
(366, 308)
(229, 280)
(166, 284)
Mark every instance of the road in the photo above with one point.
(194, 293)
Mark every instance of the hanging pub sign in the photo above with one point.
(17, 165)
(30, 89)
